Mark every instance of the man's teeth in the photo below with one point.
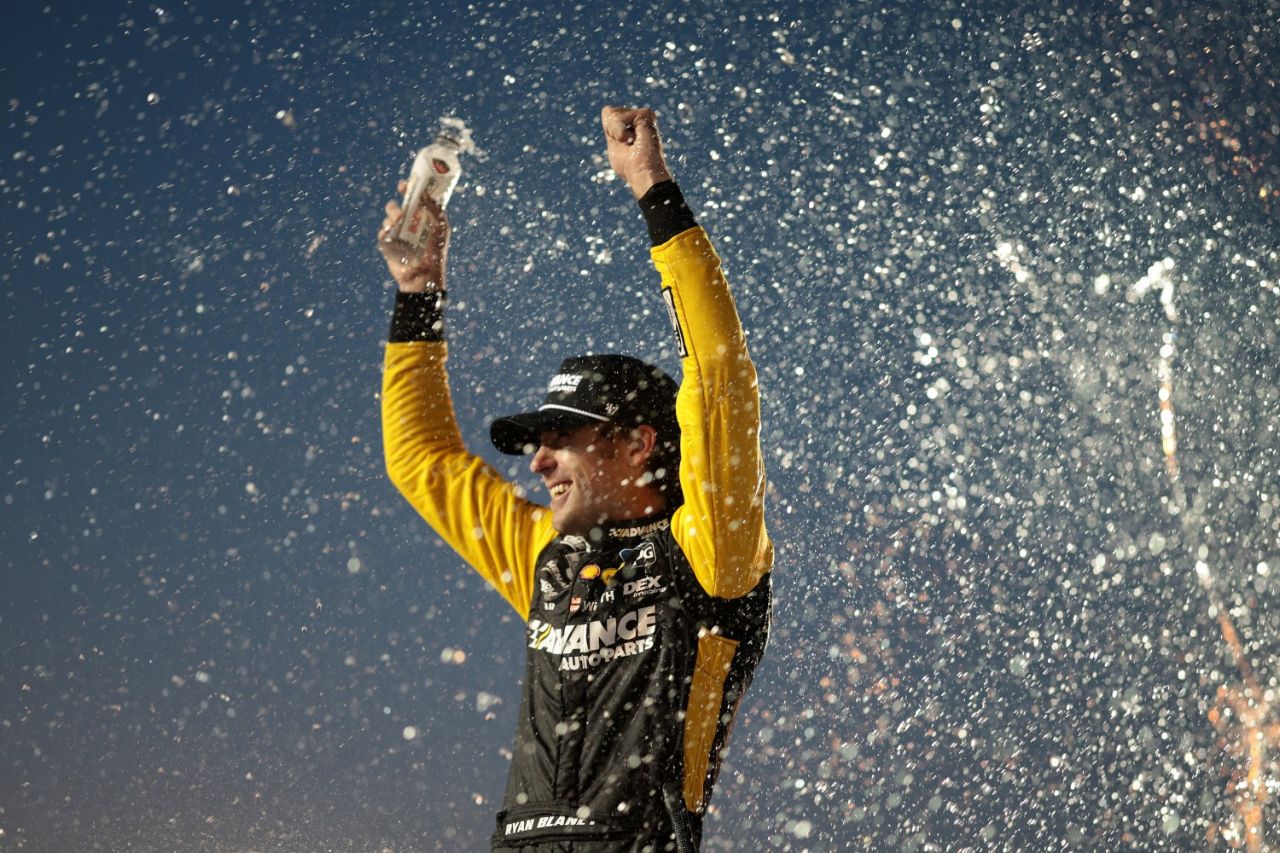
(559, 489)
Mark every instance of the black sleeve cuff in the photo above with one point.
(665, 212)
(418, 317)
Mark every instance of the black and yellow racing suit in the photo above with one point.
(642, 638)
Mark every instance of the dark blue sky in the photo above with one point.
(218, 617)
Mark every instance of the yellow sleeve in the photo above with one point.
(721, 526)
(479, 514)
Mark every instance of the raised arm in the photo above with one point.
(721, 525)
(465, 501)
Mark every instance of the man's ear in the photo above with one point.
(641, 441)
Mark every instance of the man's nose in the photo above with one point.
(543, 459)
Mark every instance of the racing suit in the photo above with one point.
(641, 637)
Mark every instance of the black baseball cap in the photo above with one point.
(593, 389)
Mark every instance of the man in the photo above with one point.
(645, 582)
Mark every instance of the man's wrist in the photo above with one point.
(418, 317)
(665, 212)
(641, 184)
(427, 279)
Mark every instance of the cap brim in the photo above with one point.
(519, 434)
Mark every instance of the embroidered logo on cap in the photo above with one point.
(564, 383)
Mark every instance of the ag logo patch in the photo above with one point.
(644, 554)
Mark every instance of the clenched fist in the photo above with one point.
(635, 149)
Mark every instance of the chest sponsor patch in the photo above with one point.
(586, 645)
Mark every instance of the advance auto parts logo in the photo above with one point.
(589, 644)
(564, 383)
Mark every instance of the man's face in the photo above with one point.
(590, 477)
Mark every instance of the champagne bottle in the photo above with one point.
(435, 173)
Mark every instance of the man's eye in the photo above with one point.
(555, 441)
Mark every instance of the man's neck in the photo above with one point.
(647, 504)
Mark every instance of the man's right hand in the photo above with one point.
(634, 147)
(421, 268)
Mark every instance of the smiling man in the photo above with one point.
(644, 583)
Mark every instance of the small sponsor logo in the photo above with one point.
(611, 409)
(590, 572)
(644, 554)
(575, 604)
(607, 576)
(553, 580)
(639, 530)
(564, 383)
(674, 317)
(642, 587)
